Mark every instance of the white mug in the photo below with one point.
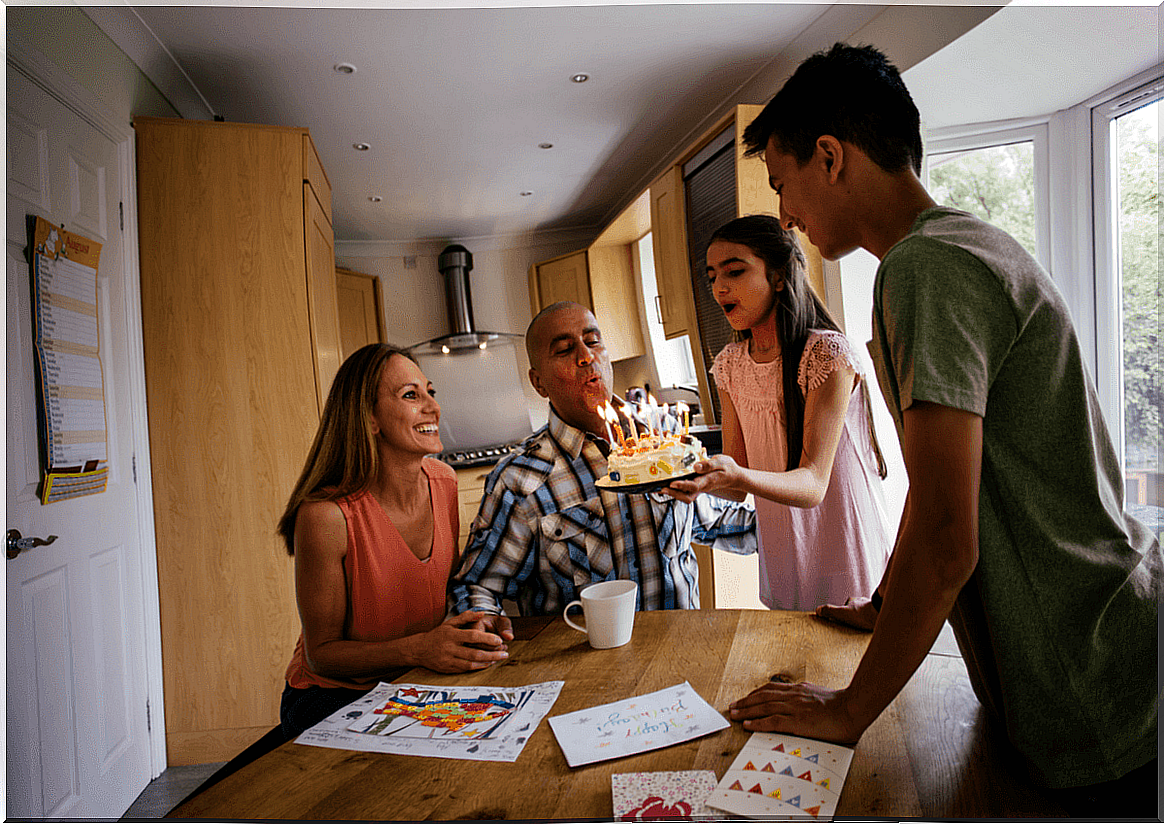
(609, 607)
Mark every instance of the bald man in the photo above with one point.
(544, 530)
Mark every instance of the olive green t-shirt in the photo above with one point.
(1058, 625)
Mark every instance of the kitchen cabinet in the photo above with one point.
(562, 278)
(361, 311)
(669, 240)
(470, 490)
(679, 222)
(602, 278)
(241, 341)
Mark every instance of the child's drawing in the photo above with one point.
(464, 714)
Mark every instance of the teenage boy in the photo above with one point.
(1013, 527)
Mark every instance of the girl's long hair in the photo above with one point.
(343, 459)
(798, 312)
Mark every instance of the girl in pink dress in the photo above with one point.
(797, 433)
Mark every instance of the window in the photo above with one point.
(992, 174)
(1126, 139)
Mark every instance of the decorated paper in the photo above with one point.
(646, 722)
(782, 776)
(472, 723)
(653, 795)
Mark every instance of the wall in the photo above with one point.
(68, 38)
(413, 288)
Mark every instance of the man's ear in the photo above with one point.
(831, 152)
(536, 380)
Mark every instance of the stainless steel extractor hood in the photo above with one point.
(455, 263)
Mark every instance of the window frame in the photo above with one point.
(1078, 240)
(1003, 133)
(1108, 308)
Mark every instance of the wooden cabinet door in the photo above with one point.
(321, 291)
(669, 238)
(361, 316)
(232, 410)
(563, 278)
(616, 304)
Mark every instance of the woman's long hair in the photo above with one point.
(343, 459)
(798, 312)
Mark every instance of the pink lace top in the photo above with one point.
(840, 547)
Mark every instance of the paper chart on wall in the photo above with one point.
(67, 342)
(784, 777)
(471, 723)
(645, 722)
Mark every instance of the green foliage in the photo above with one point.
(997, 184)
(1140, 230)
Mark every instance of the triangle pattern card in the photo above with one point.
(644, 796)
(645, 722)
(778, 776)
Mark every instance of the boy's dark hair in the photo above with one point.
(852, 93)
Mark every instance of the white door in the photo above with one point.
(78, 745)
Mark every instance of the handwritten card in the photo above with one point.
(648, 796)
(784, 777)
(646, 722)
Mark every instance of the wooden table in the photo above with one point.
(931, 754)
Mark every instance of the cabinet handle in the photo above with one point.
(659, 308)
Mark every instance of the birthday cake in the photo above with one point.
(653, 457)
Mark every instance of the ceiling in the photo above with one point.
(456, 103)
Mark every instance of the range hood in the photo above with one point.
(455, 263)
(476, 374)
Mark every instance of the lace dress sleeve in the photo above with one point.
(825, 352)
(722, 367)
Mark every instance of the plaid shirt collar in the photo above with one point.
(570, 439)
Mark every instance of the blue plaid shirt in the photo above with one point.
(544, 531)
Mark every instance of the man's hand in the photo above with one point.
(798, 709)
(499, 625)
(858, 613)
(464, 642)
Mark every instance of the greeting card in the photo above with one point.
(645, 722)
(783, 776)
(644, 796)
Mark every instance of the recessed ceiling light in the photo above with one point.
(345, 68)
(375, 198)
(545, 145)
(361, 147)
(580, 78)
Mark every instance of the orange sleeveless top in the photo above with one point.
(391, 593)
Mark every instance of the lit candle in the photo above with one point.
(682, 409)
(645, 416)
(602, 414)
(612, 418)
(630, 421)
(656, 419)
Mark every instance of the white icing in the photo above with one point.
(653, 458)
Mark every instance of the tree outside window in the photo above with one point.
(1138, 150)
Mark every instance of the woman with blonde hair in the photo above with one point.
(373, 525)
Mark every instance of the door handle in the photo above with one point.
(659, 308)
(16, 544)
